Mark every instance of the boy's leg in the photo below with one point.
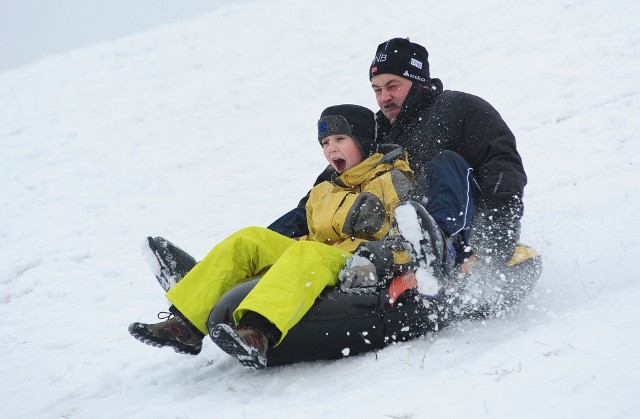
(240, 256)
(289, 289)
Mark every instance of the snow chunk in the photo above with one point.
(408, 223)
(150, 257)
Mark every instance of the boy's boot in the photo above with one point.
(168, 262)
(175, 332)
(247, 343)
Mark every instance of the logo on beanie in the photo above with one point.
(413, 76)
(379, 58)
(322, 128)
(416, 63)
(374, 69)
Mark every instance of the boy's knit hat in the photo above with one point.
(355, 121)
(403, 58)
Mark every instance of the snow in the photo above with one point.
(195, 129)
(409, 226)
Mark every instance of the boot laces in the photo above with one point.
(165, 315)
(172, 326)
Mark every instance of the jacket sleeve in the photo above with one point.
(292, 224)
(490, 148)
(369, 213)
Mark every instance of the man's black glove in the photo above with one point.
(358, 272)
(375, 264)
(500, 232)
(505, 234)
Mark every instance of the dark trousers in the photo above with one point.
(452, 194)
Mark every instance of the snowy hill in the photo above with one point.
(196, 129)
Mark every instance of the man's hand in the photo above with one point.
(501, 234)
(358, 272)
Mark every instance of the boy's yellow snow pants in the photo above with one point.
(295, 273)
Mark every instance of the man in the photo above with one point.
(469, 174)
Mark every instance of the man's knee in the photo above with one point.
(447, 161)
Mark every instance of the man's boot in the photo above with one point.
(426, 239)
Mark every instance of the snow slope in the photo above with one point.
(195, 129)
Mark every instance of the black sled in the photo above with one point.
(343, 324)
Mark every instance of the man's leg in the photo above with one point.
(451, 194)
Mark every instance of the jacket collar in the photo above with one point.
(360, 173)
(418, 99)
(357, 174)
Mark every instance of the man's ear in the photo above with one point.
(430, 87)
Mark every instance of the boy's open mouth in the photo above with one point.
(339, 164)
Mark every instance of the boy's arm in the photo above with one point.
(370, 212)
(294, 223)
(376, 263)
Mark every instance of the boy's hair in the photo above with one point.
(355, 121)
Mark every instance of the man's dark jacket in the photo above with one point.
(433, 120)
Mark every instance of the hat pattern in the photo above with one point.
(355, 121)
(403, 58)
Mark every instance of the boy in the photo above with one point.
(355, 206)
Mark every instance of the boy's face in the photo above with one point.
(341, 151)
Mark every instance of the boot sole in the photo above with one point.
(226, 338)
(165, 279)
(138, 331)
(411, 226)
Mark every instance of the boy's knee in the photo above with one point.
(251, 231)
(248, 235)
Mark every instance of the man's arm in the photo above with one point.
(498, 166)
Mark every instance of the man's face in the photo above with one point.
(390, 90)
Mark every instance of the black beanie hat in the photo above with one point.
(355, 121)
(403, 58)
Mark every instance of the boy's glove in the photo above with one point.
(358, 272)
(365, 217)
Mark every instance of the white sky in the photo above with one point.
(31, 29)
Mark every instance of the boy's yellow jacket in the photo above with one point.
(358, 205)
